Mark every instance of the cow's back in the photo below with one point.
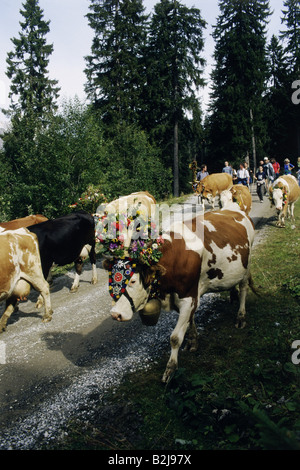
(23, 222)
(216, 182)
(143, 199)
(63, 238)
(293, 187)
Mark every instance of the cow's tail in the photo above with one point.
(252, 286)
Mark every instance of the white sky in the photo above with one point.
(71, 37)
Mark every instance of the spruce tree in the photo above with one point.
(174, 70)
(33, 102)
(277, 100)
(291, 19)
(291, 37)
(31, 90)
(114, 67)
(239, 79)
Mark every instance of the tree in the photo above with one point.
(33, 101)
(36, 94)
(239, 80)
(277, 101)
(114, 67)
(291, 18)
(291, 37)
(173, 74)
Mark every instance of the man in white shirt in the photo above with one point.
(243, 176)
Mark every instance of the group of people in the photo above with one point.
(267, 172)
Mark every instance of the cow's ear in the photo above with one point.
(150, 273)
(160, 270)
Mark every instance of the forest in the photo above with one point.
(143, 123)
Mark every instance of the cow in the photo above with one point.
(284, 192)
(238, 195)
(67, 239)
(142, 200)
(20, 269)
(23, 222)
(212, 185)
(209, 253)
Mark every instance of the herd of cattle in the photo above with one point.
(210, 252)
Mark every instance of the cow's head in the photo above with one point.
(226, 197)
(278, 196)
(135, 294)
(205, 190)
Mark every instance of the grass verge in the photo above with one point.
(239, 391)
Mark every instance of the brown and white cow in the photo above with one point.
(23, 222)
(239, 195)
(212, 185)
(141, 201)
(284, 192)
(20, 269)
(209, 253)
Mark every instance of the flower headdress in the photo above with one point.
(131, 236)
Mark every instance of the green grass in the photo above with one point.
(240, 390)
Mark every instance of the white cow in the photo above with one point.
(284, 192)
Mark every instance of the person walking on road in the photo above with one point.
(260, 183)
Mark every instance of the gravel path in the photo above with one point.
(51, 372)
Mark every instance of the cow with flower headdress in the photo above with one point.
(284, 193)
(172, 270)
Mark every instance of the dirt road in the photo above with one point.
(51, 372)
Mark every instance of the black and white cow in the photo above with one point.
(67, 239)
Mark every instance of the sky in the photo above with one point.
(71, 37)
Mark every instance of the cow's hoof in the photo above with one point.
(94, 281)
(47, 319)
(191, 345)
(240, 324)
(73, 290)
(169, 372)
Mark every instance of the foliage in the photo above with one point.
(133, 164)
(90, 200)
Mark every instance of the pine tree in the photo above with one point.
(278, 102)
(291, 35)
(31, 91)
(174, 75)
(239, 79)
(114, 67)
(33, 102)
